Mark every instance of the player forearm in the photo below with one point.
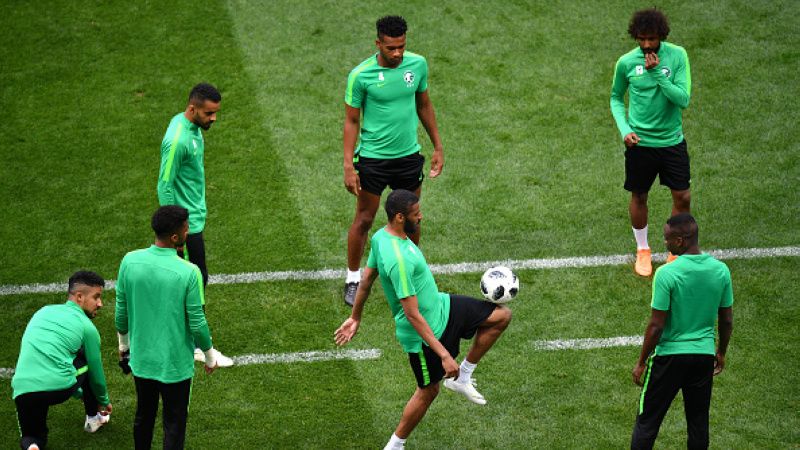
(725, 326)
(362, 294)
(94, 363)
(427, 116)
(651, 336)
(620, 117)
(350, 136)
(676, 92)
(425, 332)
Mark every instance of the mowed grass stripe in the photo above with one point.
(446, 269)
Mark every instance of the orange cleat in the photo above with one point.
(644, 264)
(671, 257)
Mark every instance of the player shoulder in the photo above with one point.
(364, 65)
(674, 48)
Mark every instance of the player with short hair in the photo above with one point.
(390, 88)
(182, 178)
(428, 324)
(159, 319)
(658, 81)
(59, 358)
(678, 352)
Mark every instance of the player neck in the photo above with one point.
(396, 230)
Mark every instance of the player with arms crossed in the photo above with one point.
(391, 89)
(657, 78)
(678, 353)
(429, 324)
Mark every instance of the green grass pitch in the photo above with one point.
(534, 169)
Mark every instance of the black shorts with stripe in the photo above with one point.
(466, 315)
(670, 164)
(398, 173)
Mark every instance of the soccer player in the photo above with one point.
(159, 319)
(391, 89)
(656, 76)
(60, 358)
(678, 353)
(429, 324)
(182, 179)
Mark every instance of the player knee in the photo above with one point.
(363, 222)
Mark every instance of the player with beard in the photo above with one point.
(428, 324)
(657, 79)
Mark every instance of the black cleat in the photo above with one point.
(350, 293)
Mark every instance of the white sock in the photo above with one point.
(465, 371)
(641, 238)
(353, 276)
(395, 443)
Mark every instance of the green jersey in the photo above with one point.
(656, 97)
(50, 343)
(159, 303)
(182, 177)
(387, 97)
(404, 272)
(692, 288)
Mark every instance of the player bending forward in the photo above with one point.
(429, 324)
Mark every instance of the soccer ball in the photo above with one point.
(499, 284)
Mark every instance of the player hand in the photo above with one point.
(637, 372)
(352, 181)
(437, 163)
(719, 363)
(631, 139)
(650, 60)
(450, 367)
(346, 331)
(104, 410)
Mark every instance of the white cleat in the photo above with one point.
(222, 360)
(199, 356)
(94, 423)
(466, 389)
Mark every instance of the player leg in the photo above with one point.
(485, 322)
(195, 249)
(428, 371)
(662, 380)
(146, 408)
(697, 400)
(640, 171)
(176, 412)
(372, 176)
(676, 175)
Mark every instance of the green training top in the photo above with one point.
(692, 288)
(182, 177)
(387, 98)
(51, 340)
(159, 302)
(656, 97)
(404, 272)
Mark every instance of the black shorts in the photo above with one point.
(466, 315)
(398, 173)
(671, 164)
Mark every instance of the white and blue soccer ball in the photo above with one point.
(499, 284)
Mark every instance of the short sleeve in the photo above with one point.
(727, 291)
(661, 291)
(372, 259)
(354, 95)
(401, 279)
(423, 77)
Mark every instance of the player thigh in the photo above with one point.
(641, 168)
(427, 366)
(467, 314)
(406, 172)
(373, 174)
(675, 173)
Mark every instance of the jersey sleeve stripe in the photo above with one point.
(171, 156)
(352, 80)
(401, 266)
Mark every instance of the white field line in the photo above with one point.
(587, 344)
(465, 267)
(285, 358)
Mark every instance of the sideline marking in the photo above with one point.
(275, 358)
(465, 267)
(587, 344)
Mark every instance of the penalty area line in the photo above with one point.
(283, 358)
(445, 269)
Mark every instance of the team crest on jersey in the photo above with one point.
(408, 77)
(666, 71)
